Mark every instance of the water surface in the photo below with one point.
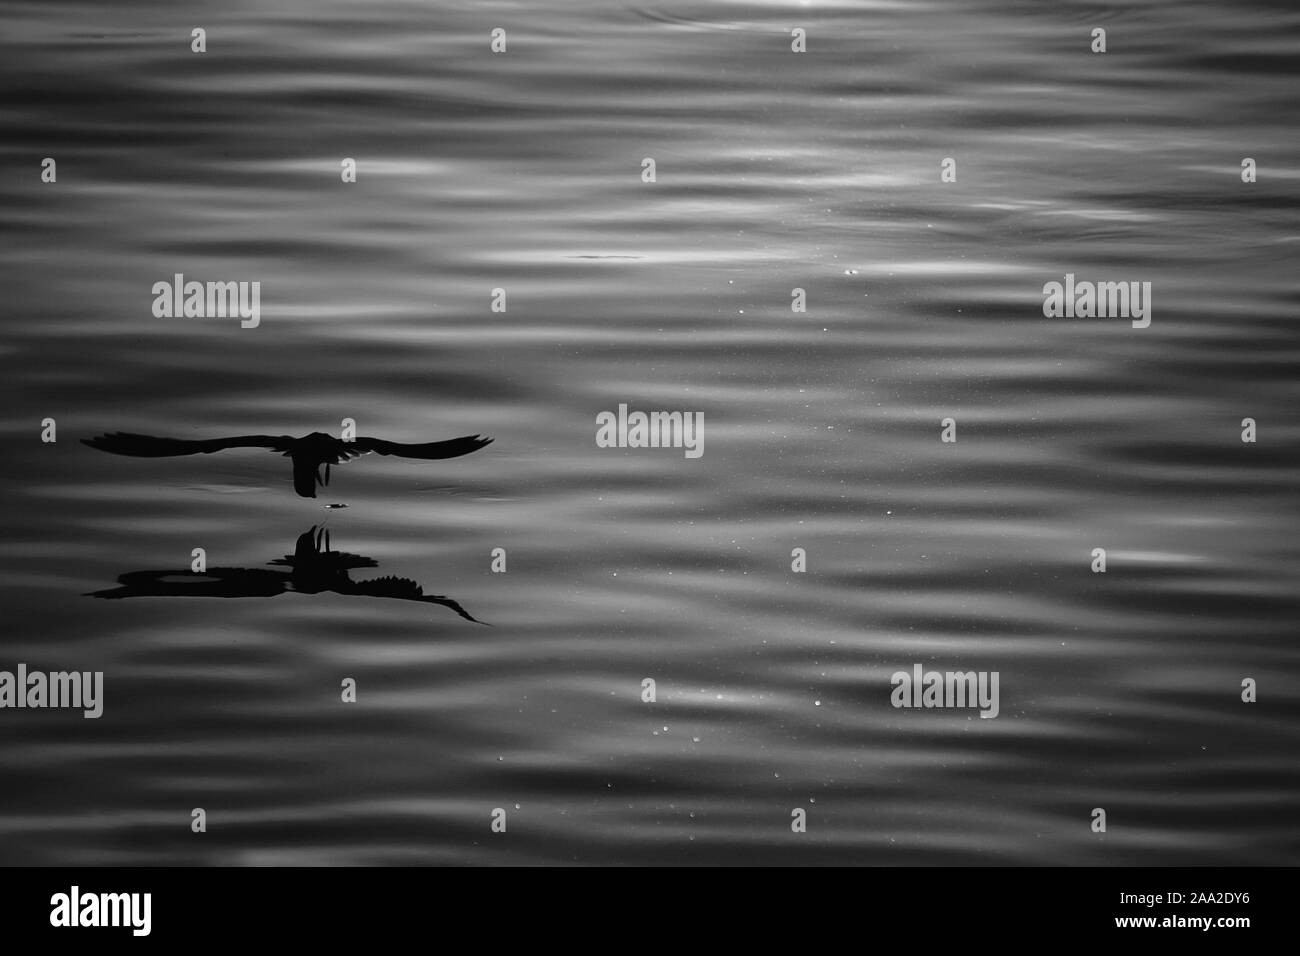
(775, 170)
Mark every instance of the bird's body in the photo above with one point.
(309, 453)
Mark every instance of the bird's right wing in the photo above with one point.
(147, 446)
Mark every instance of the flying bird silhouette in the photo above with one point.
(309, 452)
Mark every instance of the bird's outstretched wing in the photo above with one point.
(453, 448)
(147, 446)
(214, 582)
(404, 589)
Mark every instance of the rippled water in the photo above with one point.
(774, 171)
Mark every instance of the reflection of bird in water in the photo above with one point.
(313, 569)
(309, 453)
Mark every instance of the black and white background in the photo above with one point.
(775, 170)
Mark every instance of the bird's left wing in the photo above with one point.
(453, 448)
(404, 589)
